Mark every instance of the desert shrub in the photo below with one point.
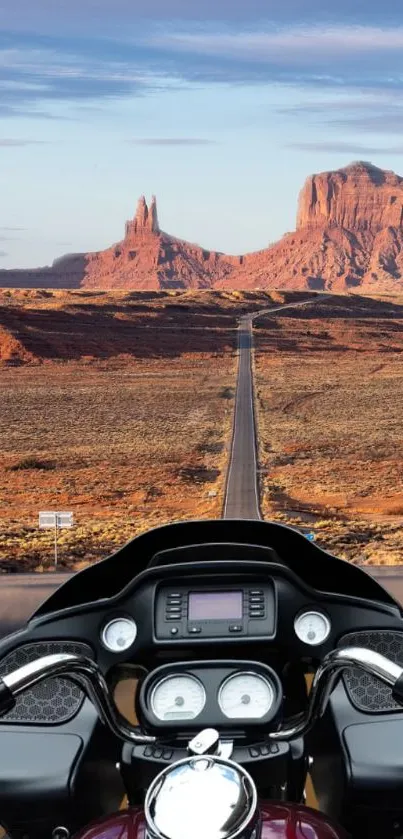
(32, 463)
(198, 474)
(227, 393)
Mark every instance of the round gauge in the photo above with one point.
(118, 635)
(178, 698)
(246, 696)
(312, 628)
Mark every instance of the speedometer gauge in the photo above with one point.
(312, 628)
(246, 696)
(178, 698)
(119, 634)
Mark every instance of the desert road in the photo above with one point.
(21, 594)
(242, 491)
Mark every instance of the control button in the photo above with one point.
(157, 753)
(265, 749)
(172, 617)
(256, 613)
(171, 609)
(175, 594)
(256, 591)
(254, 751)
(174, 601)
(274, 749)
(195, 630)
(148, 751)
(167, 754)
(256, 598)
(174, 630)
(235, 627)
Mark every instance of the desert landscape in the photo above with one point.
(329, 393)
(116, 406)
(118, 377)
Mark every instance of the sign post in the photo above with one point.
(55, 520)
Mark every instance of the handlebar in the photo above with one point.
(85, 673)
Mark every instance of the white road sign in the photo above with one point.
(50, 519)
(55, 521)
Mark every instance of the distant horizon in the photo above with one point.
(163, 229)
(221, 107)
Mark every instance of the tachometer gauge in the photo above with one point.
(178, 698)
(119, 634)
(312, 628)
(246, 696)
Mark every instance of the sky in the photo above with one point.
(221, 108)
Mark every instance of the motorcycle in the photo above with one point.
(255, 659)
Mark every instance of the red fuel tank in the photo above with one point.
(279, 821)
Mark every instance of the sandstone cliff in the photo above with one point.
(349, 235)
(358, 197)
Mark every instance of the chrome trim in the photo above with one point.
(85, 673)
(236, 675)
(318, 615)
(206, 742)
(204, 796)
(110, 623)
(326, 677)
(167, 679)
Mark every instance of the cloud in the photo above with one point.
(335, 147)
(386, 121)
(112, 16)
(172, 141)
(3, 253)
(38, 73)
(280, 44)
(12, 229)
(12, 142)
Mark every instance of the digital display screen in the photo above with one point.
(215, 605)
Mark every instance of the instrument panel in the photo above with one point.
(219, 611)
(210, 694)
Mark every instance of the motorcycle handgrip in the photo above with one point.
(397, 690)
(7, 699)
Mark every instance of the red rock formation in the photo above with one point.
(358, 197)
(349, 234)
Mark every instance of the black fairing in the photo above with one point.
(312, 564)
(65, 775)
(357, 768)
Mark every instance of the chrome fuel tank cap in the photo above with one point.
(201, 797)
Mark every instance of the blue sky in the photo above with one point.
(220, 107)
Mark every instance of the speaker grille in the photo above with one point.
(366, 692)
(52, 701)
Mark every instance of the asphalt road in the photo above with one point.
(242, 491)
(21, 594)
(241, 496)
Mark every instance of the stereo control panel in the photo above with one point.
(215, 612)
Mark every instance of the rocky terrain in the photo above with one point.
(349, 235)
